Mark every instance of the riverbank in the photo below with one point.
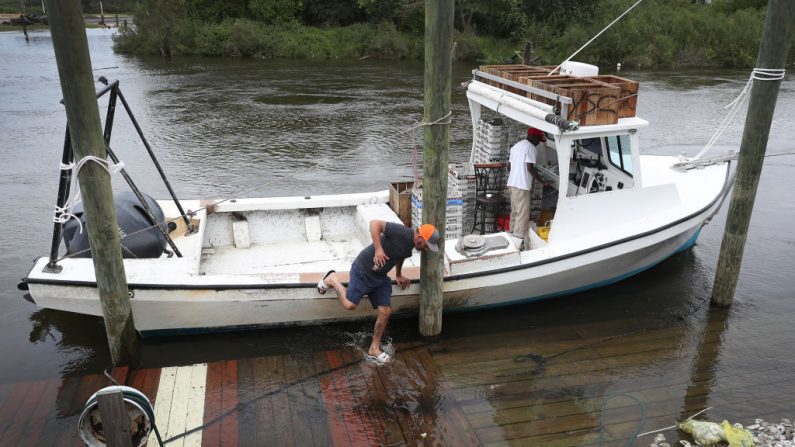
(247, 38)
(657, 35)
(7, 22)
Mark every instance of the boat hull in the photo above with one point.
(159, 310)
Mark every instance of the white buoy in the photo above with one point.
(618, 66)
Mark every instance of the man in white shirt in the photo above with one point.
(522, 161)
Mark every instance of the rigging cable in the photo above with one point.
(594, 37)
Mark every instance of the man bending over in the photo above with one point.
(392, 243)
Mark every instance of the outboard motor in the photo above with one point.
(131, 218)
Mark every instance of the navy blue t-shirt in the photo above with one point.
(397, 242)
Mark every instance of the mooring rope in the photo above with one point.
(64, 213)
(758, 74)
(260, 185)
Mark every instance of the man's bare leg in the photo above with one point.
(380, 326)
(342, 294)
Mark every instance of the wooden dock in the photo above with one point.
(538, 386)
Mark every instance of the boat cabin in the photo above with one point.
(599, 157)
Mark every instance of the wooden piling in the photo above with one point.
(773, 48)
(438, 82)
(82, 113)
(115, 420)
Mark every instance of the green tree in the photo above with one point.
(275, 11)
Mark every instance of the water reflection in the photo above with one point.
(705, 362)
(74, 335)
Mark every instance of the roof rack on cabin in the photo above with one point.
(590, 100)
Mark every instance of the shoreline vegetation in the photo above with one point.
(665, 34)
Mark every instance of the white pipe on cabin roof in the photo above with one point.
(500, 95)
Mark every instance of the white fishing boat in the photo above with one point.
(256, 261)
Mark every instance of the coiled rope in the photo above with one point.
(758, 74)
(441, 121)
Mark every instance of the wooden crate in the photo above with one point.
(628, 99)
(528, 80)
(511, 72)
(595, 102)
(400, 200)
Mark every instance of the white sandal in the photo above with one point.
(322, 287)
(381, 359)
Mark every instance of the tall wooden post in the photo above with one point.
(82, 114)
(773, 49)
(438, 83)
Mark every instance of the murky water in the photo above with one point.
(225, 126)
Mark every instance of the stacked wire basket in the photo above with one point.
(461, 176)
(454, 226)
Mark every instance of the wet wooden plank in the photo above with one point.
(184, 395)
(211, 436)
(24, 411)
(55, 425)
(163, 404)
(391, 376)
(590, 401)
(374, 401)
(336, 418)
(246, 395)
(263, 407)
(557, 374)
(229, 423)
(88, 386)
(146, 381)
(621, 417)
(198, 383)
(342, 396)
(309, 370)
(12, 410)
(654, 343)
(359, 377)
(418, 398)
(281, 403)
(393, 432)
(452, 416)
(5, 391)
(44, 410)
(450, 427)
(299, 410)
(120, 374)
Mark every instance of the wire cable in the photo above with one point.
(594, 37)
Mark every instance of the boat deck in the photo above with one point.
(282, 257)
(535, 386)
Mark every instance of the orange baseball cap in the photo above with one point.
(431, 236)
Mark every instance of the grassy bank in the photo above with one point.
(248, 38)
(658, 34)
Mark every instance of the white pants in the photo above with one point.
(520, 212)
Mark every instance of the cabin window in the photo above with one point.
(620, 152)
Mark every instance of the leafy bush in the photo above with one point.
(275, 11)
(657, 33)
